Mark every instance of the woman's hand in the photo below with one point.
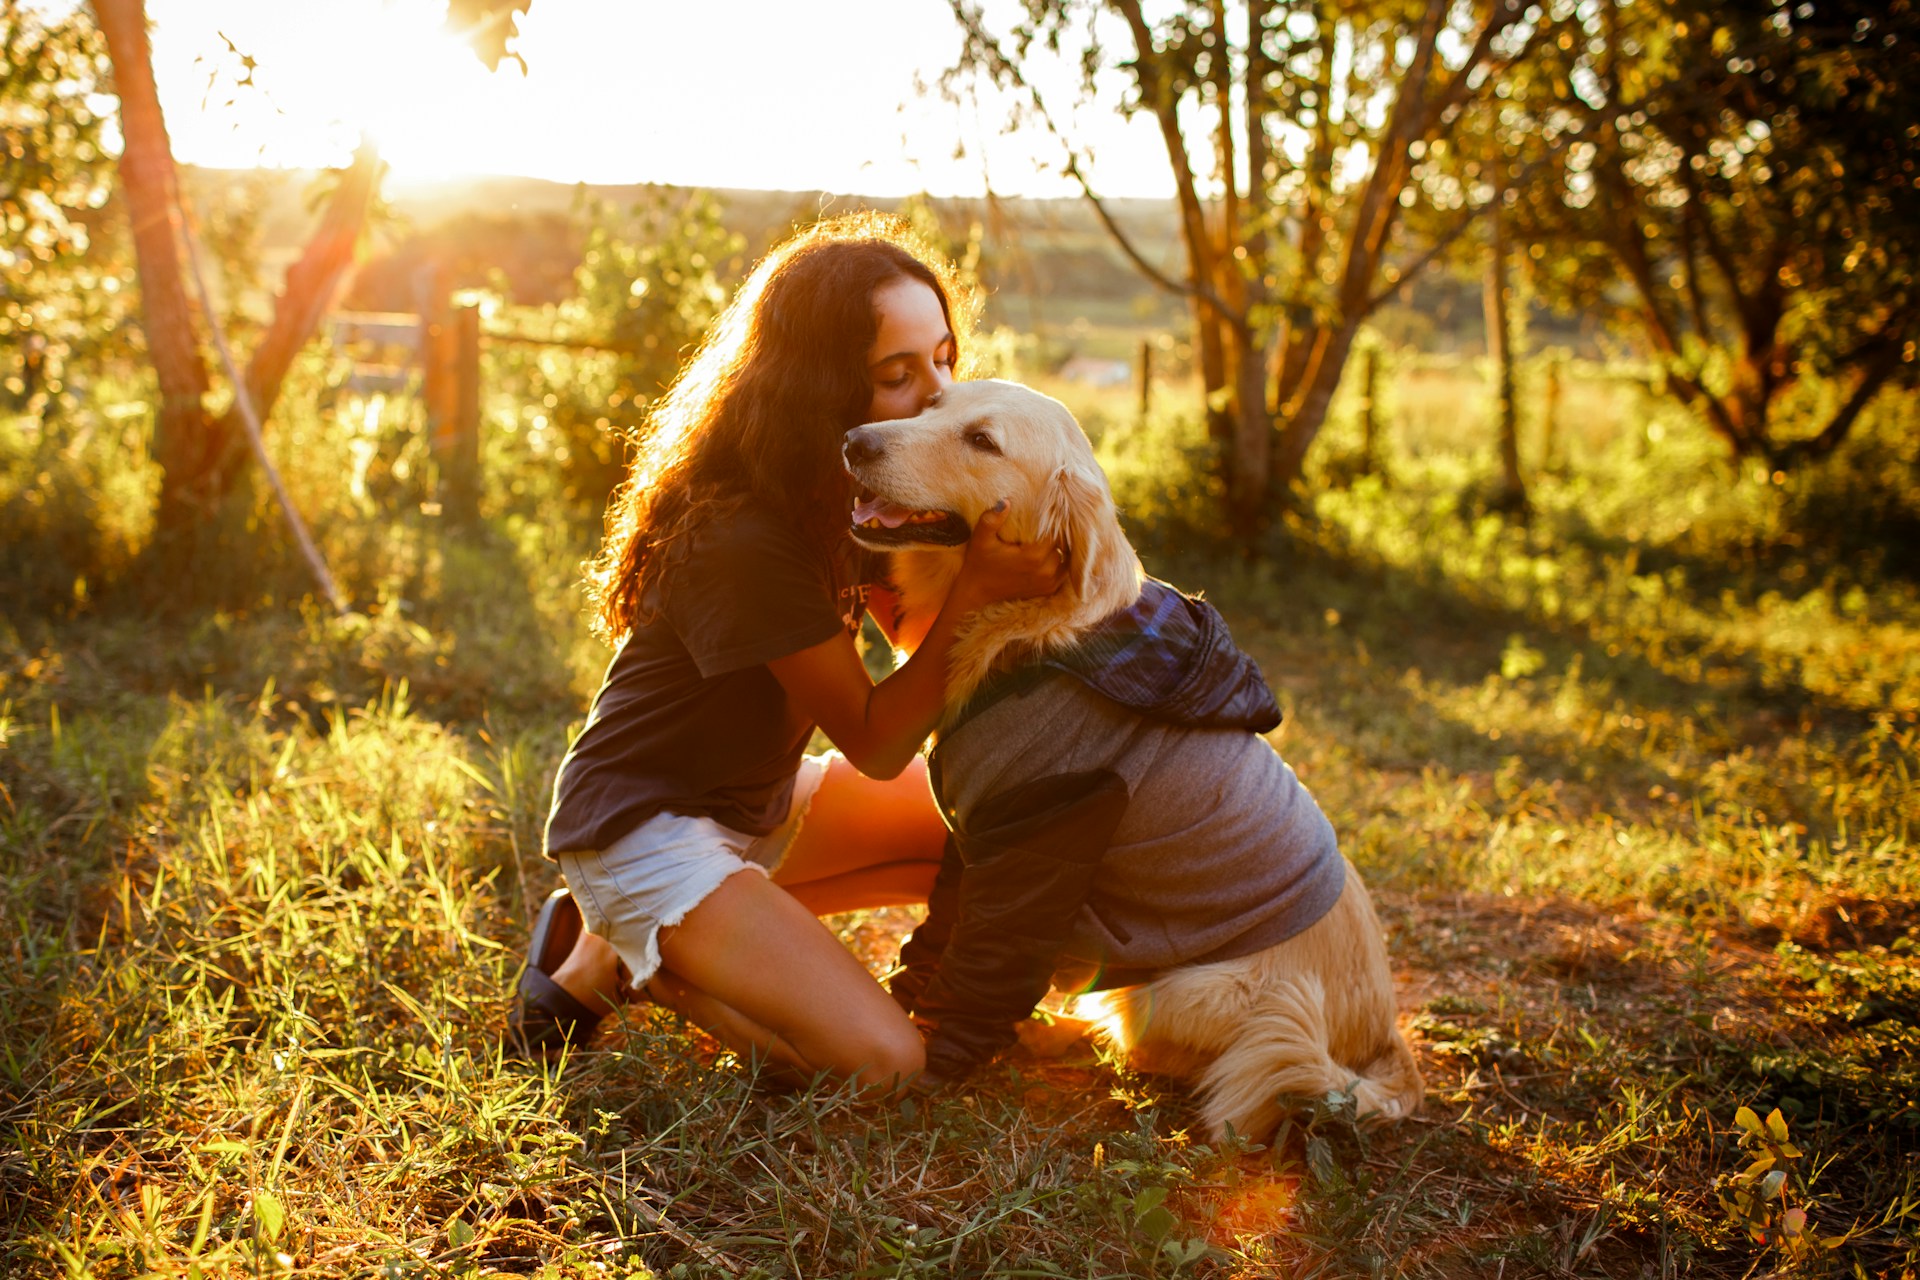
(880, 727)
(997, 569)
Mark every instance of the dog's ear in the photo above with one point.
(1079, 517)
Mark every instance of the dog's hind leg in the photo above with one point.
(1281, 1049)
(1176, 1024)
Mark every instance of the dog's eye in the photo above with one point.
(982, 441)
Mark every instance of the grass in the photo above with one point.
(1633, 780)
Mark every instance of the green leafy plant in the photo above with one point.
(1766, 1199)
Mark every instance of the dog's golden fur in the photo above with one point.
(1310, 1016)
(1040, 461)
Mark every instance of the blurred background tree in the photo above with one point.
(1316, 117)
(1742, 189)
(1722, 199)
(59, 296)
(200, 450)
(649, 280)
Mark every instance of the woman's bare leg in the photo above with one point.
(865, 843)
(721, 1021)
(591, 972)
(752, 948)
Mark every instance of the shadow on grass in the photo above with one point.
(1592, 1045)
(225, 832)
(1419, 670)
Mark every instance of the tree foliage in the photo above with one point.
(1745, 184)
(649, 282)
(488, 26)
(58, 292)
(1313, 121)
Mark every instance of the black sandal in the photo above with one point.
(546, 1017)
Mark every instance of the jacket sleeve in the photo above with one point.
(1029, 857)
(920, 953)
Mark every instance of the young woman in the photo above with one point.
(698, 842)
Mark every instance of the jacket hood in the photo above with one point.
(1167, 656)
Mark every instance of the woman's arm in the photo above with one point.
(904, 631)
(879, 727)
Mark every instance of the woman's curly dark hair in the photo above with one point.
(758, 414)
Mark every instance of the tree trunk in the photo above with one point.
(1370, 408)
(1209, 324)
(185, 440)
(201, 456)
(1302, 328)
(1309, 412)
(1316, 374)
(1550, 411)
(1512, 494)
(1253, 437)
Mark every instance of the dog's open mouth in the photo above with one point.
(879, 523)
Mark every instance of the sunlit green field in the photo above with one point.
(1633, 780)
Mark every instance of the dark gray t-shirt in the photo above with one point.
(688, 719)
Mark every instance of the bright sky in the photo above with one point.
(779, 94)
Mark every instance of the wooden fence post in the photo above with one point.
(1369, 408)
(460, 466)
(450, 357)
(1550, 412)
(1498, 298)
(436, 369)
(1146, 377)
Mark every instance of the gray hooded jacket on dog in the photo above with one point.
(1218, 852)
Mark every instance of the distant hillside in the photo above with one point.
(1042, 259)
(1050, 268)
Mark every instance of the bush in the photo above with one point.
(76, 505)
(648, 284)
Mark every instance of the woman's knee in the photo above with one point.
(876, 1049)
(884, 1056)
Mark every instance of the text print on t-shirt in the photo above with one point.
(852, 602)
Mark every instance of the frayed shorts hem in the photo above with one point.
(652, 877)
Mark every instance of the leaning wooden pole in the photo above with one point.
(250, 417)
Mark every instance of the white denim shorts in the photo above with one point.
(649, 879)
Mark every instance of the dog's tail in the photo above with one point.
(1282, 1050)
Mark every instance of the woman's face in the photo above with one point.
(912, 355)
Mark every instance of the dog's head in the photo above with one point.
(926, 480)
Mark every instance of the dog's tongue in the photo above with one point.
(883, 511)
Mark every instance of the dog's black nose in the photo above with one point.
(861, 445)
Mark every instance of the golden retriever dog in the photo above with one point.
(1309, 1015)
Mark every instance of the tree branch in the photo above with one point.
(1880, 365)
(1004, 70)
